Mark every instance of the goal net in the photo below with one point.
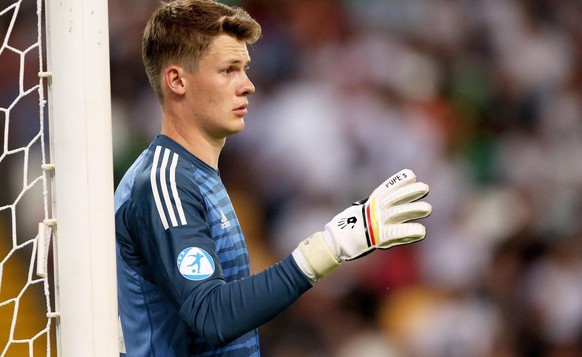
(57, 248)
(25, 328)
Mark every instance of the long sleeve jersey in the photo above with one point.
(184, 284)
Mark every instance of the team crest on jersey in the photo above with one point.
(195, 264)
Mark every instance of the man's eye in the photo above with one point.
(228, 70)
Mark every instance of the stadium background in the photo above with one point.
(482, 99)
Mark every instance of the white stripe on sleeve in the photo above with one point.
(164, 186)
(179, 207)
(154, 184)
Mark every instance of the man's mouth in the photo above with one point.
(242, 110)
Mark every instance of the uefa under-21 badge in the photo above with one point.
(195, 264)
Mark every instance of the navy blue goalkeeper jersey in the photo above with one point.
(184, 287)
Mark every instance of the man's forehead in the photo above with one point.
(225, 46)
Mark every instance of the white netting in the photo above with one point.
(25, 329)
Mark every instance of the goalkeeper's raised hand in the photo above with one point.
(379, 222)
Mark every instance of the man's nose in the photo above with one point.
(247, 87)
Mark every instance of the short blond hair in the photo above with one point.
(181, 31)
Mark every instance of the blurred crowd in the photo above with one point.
(482, 99)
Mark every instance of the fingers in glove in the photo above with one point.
(404, 233)
(406, 194)
(401, 178)
(406, 212)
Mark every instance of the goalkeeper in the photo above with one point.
(184, 284)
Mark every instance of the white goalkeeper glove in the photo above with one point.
(379, 222)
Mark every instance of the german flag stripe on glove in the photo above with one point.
(371, 223)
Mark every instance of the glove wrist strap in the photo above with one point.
(316, 253)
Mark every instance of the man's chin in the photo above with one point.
(240, 126)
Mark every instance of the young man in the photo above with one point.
(183, 269)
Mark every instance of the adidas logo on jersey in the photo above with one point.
(224, 223)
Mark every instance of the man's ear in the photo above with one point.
(174, 79)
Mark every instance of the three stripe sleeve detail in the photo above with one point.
(167, 188)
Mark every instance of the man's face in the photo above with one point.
(218, 88)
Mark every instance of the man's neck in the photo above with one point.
(205, 148)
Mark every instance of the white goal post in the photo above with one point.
(79, 103)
